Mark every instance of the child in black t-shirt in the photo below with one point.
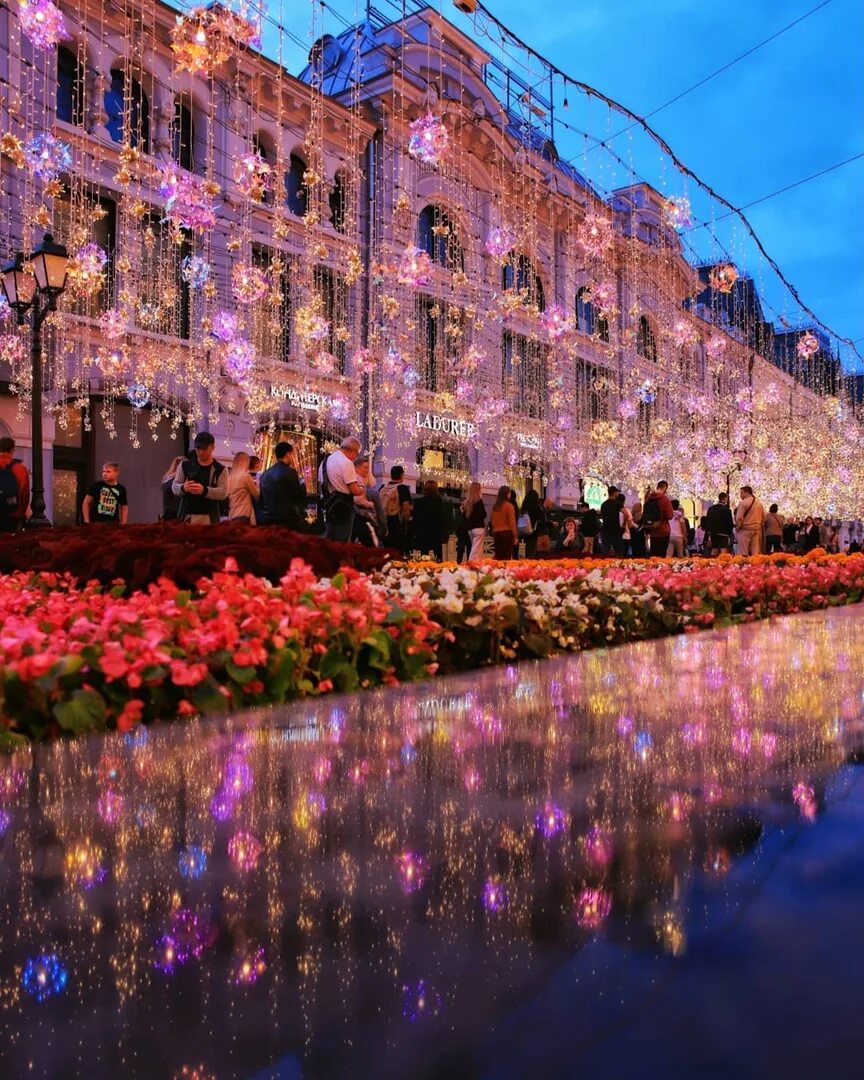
(106, 500)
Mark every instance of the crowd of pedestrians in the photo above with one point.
(354, 507)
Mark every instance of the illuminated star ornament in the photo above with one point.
(428, 140)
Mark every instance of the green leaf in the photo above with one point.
(282, 675)
(240, 675)
(84, 711)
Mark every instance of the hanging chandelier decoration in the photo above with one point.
(204, 38)
(225, 325)
(429, 139)
(500, 241)
(87, 268)
(249, 284)
(189, 199)
(42, 23)
(254, 177)
(415, 268)
(722, 278)
(47, 157)
(595, 235)
(808, 346)
(676, 212)
(138, 395)
(555, 321)
(195, 271)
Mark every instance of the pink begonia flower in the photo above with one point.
(184, 674)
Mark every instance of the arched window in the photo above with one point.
(584, 311)
(128, 110)
(338, 205)
(437, 236)
(295, 190)
(519, 273)
(183, 134)
(646, 342)
(70, 87)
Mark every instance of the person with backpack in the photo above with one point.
(656, 515)
(339, 485)
(14, 488)
(396, 500)
(201, 483)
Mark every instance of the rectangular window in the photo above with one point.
(271, 319)
(162, 298)
(591, 399)
(525, 375)
(333, 293)
(81, 219)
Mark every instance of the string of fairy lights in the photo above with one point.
(418, 226)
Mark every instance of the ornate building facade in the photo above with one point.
(387, 244)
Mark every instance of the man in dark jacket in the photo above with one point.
(656, 515)
(611, 531)
(432, 519)
(719, 525)
(283, 497)
(201, 483)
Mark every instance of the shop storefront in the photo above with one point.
(526, 476)
(448, 466)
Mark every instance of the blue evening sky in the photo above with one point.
(789, 110)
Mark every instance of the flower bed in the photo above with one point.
(80, 658)
(77, 659)
(139, 555)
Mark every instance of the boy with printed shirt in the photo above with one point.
(106, 501)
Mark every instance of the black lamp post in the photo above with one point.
(35, 289)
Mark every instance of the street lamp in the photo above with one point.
(34, 287)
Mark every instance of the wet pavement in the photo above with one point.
(647, 861)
